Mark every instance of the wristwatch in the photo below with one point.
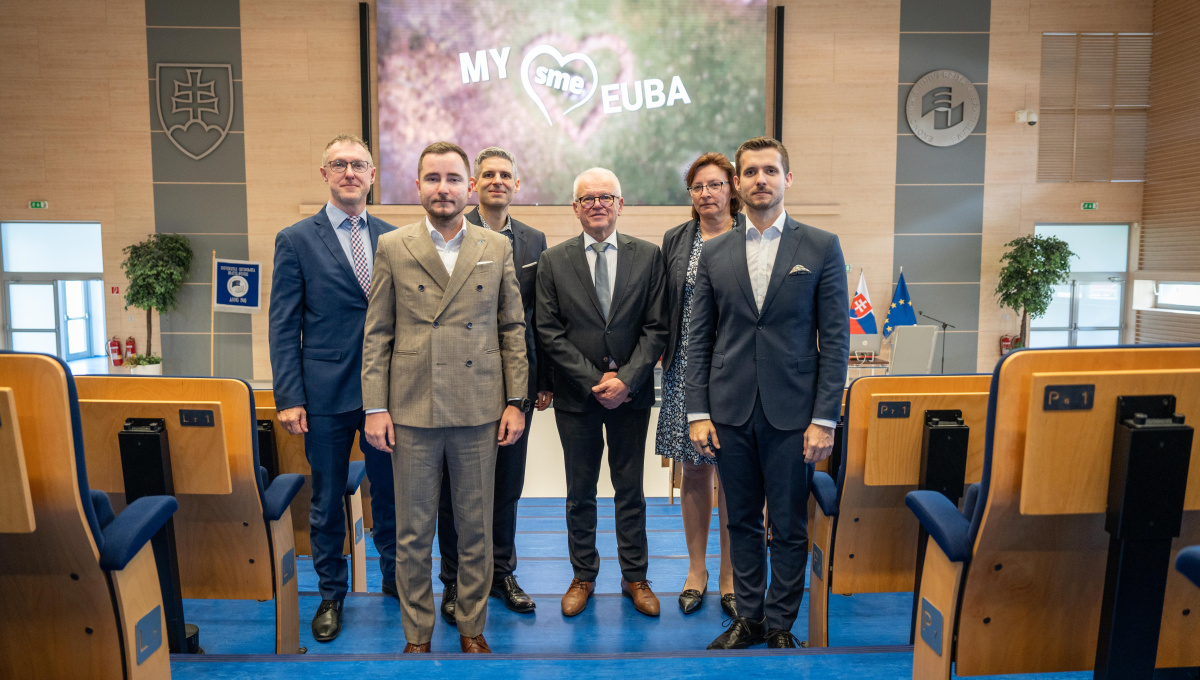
(522, 403)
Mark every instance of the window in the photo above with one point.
(1095, 98)
(1182, 296)
(1089, 309)
(53, 298)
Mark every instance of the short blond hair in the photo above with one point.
(344, 137)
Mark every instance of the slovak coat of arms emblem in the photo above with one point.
(195, 105)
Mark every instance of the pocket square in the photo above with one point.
(527, 266)
(799, 269)
(484, 262)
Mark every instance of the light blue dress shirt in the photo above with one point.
(341, 226)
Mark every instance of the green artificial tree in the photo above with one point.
(155, 268)
(1032, 267)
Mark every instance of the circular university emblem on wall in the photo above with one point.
(942, 108)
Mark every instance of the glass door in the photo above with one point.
(33, 317)
(1085, 312)
(74, 319)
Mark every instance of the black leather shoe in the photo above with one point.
(729, 605)
(740, 634)
(514, 598)
(691, 600)
(328, 621)
(781, 639)
(449, 603)
(389, 589)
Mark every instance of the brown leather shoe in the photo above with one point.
(475, 645)
(643, 598)
(410, 648)
(577, 596)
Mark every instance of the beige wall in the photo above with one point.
(74, 113)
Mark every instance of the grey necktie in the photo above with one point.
(603, 289)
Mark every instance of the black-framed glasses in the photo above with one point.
(713, 187)
(606, 200)
(339, 167)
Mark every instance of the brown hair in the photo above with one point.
(759, 143)
(344, 137)
(439, 148)
(721, 161)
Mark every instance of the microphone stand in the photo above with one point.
(944, 327)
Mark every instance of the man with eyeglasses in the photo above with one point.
(602, 321)
(323, 269)
(496, 182)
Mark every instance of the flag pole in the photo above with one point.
(212, 319)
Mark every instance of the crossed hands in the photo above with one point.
(610, 391)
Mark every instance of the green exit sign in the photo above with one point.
(39, 205)
(1089, 205)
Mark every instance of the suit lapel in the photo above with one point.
(420, 244)
(624, 264)
(789, 241)
(468, 255)
(375, 229)
(579, 263)
(329, 238)
(519, 239)
(741, 271)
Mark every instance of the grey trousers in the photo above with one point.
(470, 455)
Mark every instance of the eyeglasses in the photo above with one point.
(605, 200)
(713, 187)
(339, 167)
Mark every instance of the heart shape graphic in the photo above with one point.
(577, 131)
(562, 61)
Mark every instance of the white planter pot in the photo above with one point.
(152, 369)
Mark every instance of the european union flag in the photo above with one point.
(900, 313)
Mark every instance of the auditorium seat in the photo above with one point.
(81, 592)
(233, 531)
(864, 539)
(291, 459)
(1188, 564)
(1017, 586)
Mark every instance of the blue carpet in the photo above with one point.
(608, 640)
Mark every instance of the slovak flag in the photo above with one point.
(862, 319)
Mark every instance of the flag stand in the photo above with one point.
(212, 319)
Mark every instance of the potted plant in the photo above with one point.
(155, 268)
(1033, 265)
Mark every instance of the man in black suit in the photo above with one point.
(766, 294)
(496, 181)
(323, 269)
(602, 321)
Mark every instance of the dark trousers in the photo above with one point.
(583, 437)
(327, 447)
(758, 461)
(510, 480)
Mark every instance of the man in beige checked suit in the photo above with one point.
(444, 382)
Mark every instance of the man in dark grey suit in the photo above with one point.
(770, 294)
(496, 181)
(602, 321)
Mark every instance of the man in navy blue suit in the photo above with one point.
(769, 294)
(318, 310)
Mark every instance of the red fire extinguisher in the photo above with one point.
(1006, 344)
(130, 346)
(114, 351)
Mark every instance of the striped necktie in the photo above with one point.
(359, 254)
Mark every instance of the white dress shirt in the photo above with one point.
(761, 249)
(341, 227)
(610, 257)
(447, 251)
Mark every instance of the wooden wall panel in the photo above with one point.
(73, 109)
(1014, 202)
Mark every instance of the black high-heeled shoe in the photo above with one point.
(729, 605)
(691, 600)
